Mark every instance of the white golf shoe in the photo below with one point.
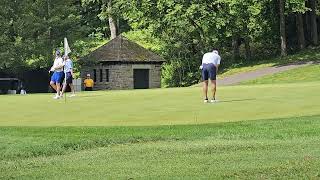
(214, 100)
(56, 97)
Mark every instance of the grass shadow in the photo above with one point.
(237, 100)
(90, 96)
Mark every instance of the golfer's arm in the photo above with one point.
(60, 65)
(217, 67)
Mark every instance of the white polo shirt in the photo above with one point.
(211, 58)
(57, 62)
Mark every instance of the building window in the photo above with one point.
(107, 75)
(95, 75)
(101, 76)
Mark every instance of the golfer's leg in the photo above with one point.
(213, 89)
(205, 77)
(72, 88)
(58, 89)
(64, 89)
(205, 89)
(53, 85)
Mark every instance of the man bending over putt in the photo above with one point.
(210, 64)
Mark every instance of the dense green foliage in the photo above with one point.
(31, 30)
(180, 31)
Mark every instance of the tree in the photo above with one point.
(31, 29)
(112, 22)
(296, 9)
(313, 19)
(34, 28)
(300, 31)
(282, 28)
(110, 13)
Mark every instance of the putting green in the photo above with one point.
(161, 106)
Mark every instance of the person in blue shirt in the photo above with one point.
(68, 70)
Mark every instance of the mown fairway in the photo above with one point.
(162, 106)
(118, 134)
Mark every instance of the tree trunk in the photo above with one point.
(282, 29)
(307, 28)
(247, 43)
(113, 27)
(318, 27)
(313, 18)
(247, 48)
(235, 47)
(50, 44)
(300, 31)
(112, 23)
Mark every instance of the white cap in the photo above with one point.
(215, 51)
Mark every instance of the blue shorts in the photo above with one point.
(209, 72)
(57, 77)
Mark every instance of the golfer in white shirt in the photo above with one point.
(57, 77)
(210, 65)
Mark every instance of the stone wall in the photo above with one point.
(121, 75)
(155, 76)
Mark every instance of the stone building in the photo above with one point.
(122, 64)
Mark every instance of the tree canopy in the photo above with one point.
(180, 31)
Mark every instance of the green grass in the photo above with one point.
(161, 106)
(255, 132)
(304, 74)
(307, 55)
(243, 69)
(278, 148)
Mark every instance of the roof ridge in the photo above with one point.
(123, 49)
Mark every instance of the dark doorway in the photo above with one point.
(141, 78)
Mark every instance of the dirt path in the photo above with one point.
(236, 79)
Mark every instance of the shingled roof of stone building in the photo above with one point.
(123, 50)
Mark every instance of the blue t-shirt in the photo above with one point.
(68, 66)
